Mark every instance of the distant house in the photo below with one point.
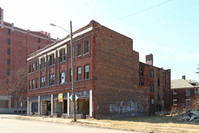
(185, 93)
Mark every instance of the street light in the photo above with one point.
(72, 65)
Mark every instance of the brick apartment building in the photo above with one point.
(156, 85)
(16, 44)
(107, 77)
(185, 94)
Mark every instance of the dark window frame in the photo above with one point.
(86, 47)
(151, 73)
(79, 49)
(51, 60)
(51, 79)
(8, 51)
(8, 71)
(43, 82)
(8, 41)
(8, 62)
(152, 88)
(33, 84)
(79, 73)
(86, 72)
(36, 83)
(39, 40)
(62, 78)
(9, 31)
(62, 55)
(43, 63)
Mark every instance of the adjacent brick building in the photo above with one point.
(185, 94)
(16, 44)
(156, 85)
(108, 80)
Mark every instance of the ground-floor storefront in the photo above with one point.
(61, 104)
(11, 104)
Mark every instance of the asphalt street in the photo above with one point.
(31, 126)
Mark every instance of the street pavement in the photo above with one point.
(31, 126)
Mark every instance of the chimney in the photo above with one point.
(149, 59)
(1, 17)
(184, 77)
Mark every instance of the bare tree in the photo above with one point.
(17, 87)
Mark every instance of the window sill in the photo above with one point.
(86, 54)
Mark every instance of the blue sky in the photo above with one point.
(167, 28)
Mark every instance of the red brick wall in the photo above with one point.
(79, 61)
(117, 67)
(21, 44)
(181, 98)
(161, 93)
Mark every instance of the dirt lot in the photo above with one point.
(156, 124)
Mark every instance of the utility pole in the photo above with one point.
(73, 76)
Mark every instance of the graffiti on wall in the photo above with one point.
(129, 108)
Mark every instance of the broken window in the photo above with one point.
(62, 77)
(175, 102)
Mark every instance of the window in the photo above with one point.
(8, 71)
(33, 67)
(51, 79)
(62, 77)
(163, 89)
(29, 84)
(29, 68)
(188, 92)
(36, 83)
(188, 103)
(62, 55)
(8, 41)
(151, 88)
(70, 75)
(158, 82)
(86, 47)
(151, 73)
(8, 31)
(33, 84)
(196, 91)
(51, 60)
(36, 63)
(152, 101)
(42, 62)
(39, 40)
(79, 49)
(8, 61)
(43, 82)
(79, 73)
(86, 72)
(174, 92)
(141, 68)
(8, 51)
(175, 102)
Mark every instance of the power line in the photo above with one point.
(140, 11)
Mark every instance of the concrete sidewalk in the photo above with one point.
(49, 119)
